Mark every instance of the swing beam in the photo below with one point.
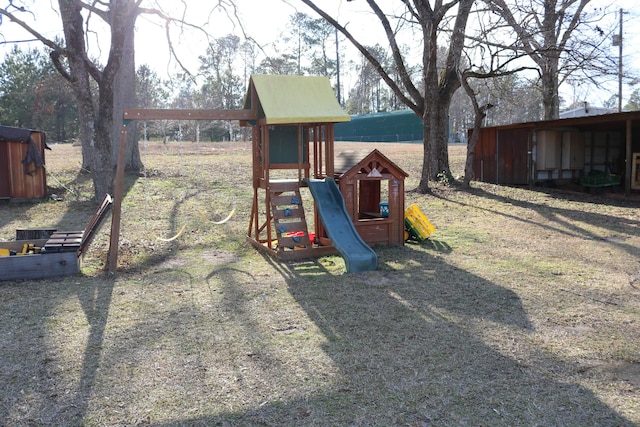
(165, 114)
(154, 114)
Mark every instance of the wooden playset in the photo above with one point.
(292, 120)
(294, 133)
(357, 205)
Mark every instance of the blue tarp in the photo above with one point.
(394, 126)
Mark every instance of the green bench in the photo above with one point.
(599, 179)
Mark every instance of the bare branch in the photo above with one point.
(229, 8)
(36, 34)
(365, 52)
(397, 57)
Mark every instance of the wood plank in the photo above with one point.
(39, 266)
(62, 248)
(291, 213)
(67, 235)
(635, 172)
(5, 171)
(282, 185)
(279, 200)
(374, 232)
(168, 114)
(290, 255)
(34, 234)
(292, 227)
(95, 222)
(289, 242)
(64, 241)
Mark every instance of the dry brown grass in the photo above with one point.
(523, 309)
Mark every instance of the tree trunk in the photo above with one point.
(480, 114)
(425, 177)
(85, 115)
(439, 87)
(100, 160)
(125, 97)
(440, 160)
(436, 148)
(436, 129)
(96, 118)
(550, 96)
(77, 74)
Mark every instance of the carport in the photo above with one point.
(561, 150)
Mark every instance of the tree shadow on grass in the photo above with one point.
(41, 385)
(31, 393)
(411, 344)
(571, 222)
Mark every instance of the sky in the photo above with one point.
(265, 20)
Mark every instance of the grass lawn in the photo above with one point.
(523, 309)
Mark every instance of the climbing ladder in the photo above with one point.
(288, 217)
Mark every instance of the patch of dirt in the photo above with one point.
(374, 278)
(218, 257)
(172, 263)
(572, 329)
(620, 370)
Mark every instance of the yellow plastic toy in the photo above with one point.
(417, 224)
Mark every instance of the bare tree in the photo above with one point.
(486, 62)
(74, 63)
(365, 96)
(560, 37)
(222, 88)
(480, 112)
(125, 97)
(429, 96)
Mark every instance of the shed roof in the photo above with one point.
(294, 99)
(9, 133)
(600, 122)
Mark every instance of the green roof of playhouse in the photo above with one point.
(288, 99)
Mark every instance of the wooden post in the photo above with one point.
(629, 155)
(300, 152)
(330, 156)
(118, 194)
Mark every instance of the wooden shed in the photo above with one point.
(373, 191)
(22, 173)
(562, 150)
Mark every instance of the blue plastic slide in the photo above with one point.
(358, 256)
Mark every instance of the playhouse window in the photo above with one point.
(373, 197)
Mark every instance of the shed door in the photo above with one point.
(484, 162)
(513, 147)
(5, 184)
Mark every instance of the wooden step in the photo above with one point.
(289, 218)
